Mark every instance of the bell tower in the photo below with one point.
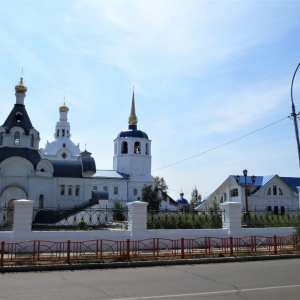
(132, 153)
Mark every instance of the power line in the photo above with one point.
(222, 145)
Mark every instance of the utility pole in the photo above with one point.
(294, 115)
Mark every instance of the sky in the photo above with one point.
(212, 80)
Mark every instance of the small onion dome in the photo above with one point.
(182, 200)
(132, 120)
(21, 88)
(64, 108)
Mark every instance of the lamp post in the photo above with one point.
(295, 115)
(246, 185)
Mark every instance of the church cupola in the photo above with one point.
(21, 90)
(62, 148)
(17, 132)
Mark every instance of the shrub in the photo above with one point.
(82, 225)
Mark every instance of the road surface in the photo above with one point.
(276, 279)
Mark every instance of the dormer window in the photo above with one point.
(18, 116)
(234, 192)
(17, 138)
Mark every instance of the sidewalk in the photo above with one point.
(140, 264)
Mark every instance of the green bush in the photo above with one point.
(82, 225)
(118, 212)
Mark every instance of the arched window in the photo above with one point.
(77, 190)
(41, 201)
(17, 138)
(1, 138)
(146, 150)
(274, 190)
(124, 148)
(63, 132)
(31, 140)
(223, 198)
(69, 190)
(234, 192)
(62, 190)
(57, 133)
(116, 190)
(137, 148)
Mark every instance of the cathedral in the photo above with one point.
(61, 175)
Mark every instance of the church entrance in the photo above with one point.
(9, 195)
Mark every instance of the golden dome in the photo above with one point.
(21, 88)
(64, 108)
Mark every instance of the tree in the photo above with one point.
(160, 183)
(196, 197)
(150, 195)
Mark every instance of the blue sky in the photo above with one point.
(204, 73)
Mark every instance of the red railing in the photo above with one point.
(39, 251)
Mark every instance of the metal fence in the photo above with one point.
(265, 218)
(6, 218)
(90, 218)
(117, 218)
(170, 219)
(102, 250)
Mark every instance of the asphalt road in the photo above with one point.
(276, 279)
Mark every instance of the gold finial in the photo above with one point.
(64, 108)
(132, 118)
(21, 88)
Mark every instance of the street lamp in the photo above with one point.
(246, 185)
(295, 115)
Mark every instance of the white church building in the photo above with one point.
(61, 174)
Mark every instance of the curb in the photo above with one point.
(140, 264)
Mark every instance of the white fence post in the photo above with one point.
(22, 225)
(232, 216)
(137, 216)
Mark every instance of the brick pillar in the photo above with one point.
(232, 216)
(23, 212)
(137, 216)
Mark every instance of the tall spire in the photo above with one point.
(132, 121)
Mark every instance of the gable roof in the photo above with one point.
(292, 182)
(259, 180)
